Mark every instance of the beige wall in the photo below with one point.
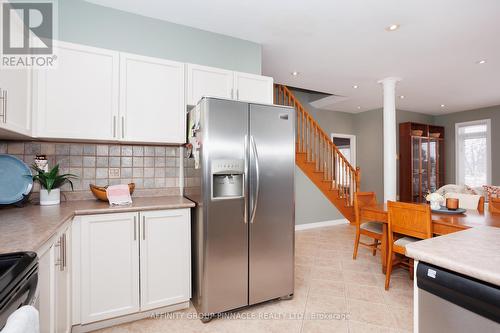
(449, 121)
(311, 205)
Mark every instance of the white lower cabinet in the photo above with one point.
(165, 258)
(54, 285)
(126, 263)
(46, 290)
(109, 269)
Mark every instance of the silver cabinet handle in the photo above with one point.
(114, 126)
(5, 108)
(64, 252)
(135, 228)
(257, 173)
(245, 179)
(3, 97)
(237, 94)
(232, 93)
(58, 261)
(143, 227)
(123, 127)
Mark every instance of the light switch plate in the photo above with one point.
(114, 172)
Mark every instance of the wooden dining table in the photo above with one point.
(442, 224)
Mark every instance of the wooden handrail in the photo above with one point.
(319, 148)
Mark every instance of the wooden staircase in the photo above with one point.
(320, 159)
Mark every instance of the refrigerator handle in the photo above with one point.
(257, 176)
(245, 178)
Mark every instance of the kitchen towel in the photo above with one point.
(23, 320)
(118, 195)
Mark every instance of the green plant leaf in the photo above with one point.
(52, 180)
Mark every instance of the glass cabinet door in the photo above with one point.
(424, 169)
(440, 163)
(416, 168)
(433, 165)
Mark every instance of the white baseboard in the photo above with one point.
(320, 224)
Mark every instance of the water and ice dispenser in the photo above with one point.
(227, 179)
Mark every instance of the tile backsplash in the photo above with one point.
(155, 170)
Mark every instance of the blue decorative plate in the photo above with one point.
(14, 183)
(444, 210)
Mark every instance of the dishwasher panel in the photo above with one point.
(451, 302)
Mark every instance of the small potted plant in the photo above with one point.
(51, 182)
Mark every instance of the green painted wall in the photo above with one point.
(90, 24)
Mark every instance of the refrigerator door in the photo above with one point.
(224, 270)
(271, 207)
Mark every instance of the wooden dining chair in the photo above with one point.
(372, 229)
(493, 204)
(407, 223)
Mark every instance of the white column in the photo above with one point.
(390, 154)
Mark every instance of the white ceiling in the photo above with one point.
(336, 44)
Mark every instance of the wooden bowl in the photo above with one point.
(100, 191)
(417, 132)
(434, 135)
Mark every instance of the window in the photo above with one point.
(473, 153)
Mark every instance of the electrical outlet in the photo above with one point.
(114, 172)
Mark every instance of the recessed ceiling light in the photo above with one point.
(355, 86)
(359, 107)
(480, 62)
(295, 73)
(442, 105)
(402, 96)
(392, 27)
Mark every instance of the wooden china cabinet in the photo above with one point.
(421, 160)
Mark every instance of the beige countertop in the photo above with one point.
(473, 252)
(28, 228)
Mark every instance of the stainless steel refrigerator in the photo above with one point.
(239, 169)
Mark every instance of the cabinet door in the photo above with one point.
(208, 81)
(152, 103)
(165, 258)
(15, 111)
(63, 283)
(254, 88)
(46, 290)
(109, 269)
(79, 98)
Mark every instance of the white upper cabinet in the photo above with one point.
(216, 82)
(109, 268)
(253, 88)
(98, 94)
(165, 258)
(15, 84)
(152, 102)
(79, 98)
(208, 81)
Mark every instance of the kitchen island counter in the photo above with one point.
(472, 252)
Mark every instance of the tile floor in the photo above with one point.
(328, 282)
